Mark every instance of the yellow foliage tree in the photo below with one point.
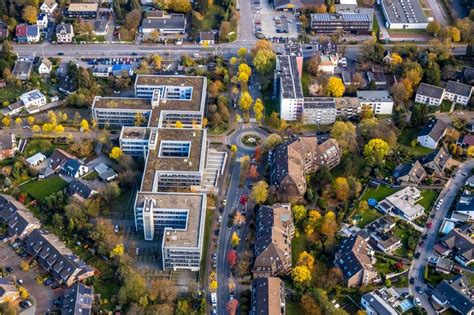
(59, 129)
(305, 259)
(376, 150)
(48, 127)
(117, 251)
(85, 125)
(24, 266)
(470, 151)
(314, 216)
(30, 120)
(233, 61)
(18, 121)
(213, 286)
(329, 226)
(6, 121)
(24, 294)
(259, 192)
(235, 239)
(36, 128)
(341, 188)
(245, 101)
(242, 52)
(178, 124)
(116, 153)
(301, 274)
(299, 212)
(335, 87)
(30, 14)
(205, 121)
(258, 109)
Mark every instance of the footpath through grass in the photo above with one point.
(45, 187)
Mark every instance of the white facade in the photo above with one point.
(44, 69)
(48, 7)
(380, 101)
(33, 101)
(42, 21)
(431, 101)
(33, 38)
(427, 142)
(291, 108)
(64, 33)
(456, 98)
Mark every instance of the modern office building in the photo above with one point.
(355, 23)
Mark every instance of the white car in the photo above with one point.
(116, 228)
(214, 299)
(417, 301)
(219, 219)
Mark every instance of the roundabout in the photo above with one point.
(248, 139)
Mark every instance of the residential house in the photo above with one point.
(78, 299)
(467, 141)
(328, 63)
(164, 24)
(454, 294)
(22, 68)
(381, 232)
(22, 224)
(8, 207)
(42, 21)
(381, 301)
(435, 162)
(354, 257)
(27, 33)
(58, 158)
(45, 66)
(380, 102)
(432, 133)
(8, 146)
(268, 296)
(458, 93)
(459, 244)
(8, 291)
(429, 94)
(100, 27)
(74, 168)
(444, 265)
(64, 33)
(82, 10)
(48, 6)
(464, 208)
(33, 101)
(403, 203)
(105, 172)
(377, 78)
(274, 229)
(206, 38)
(56, 258)
(387, 57)
(290, 163)
(81, 189)
(36, 159)
(409, 173)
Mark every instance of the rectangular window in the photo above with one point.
(175, 149)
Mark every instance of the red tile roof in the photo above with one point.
(21, 30)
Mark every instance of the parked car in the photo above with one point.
(25, 304)
(48, 282)
(116, 228)
(9, 269)
(412, 280)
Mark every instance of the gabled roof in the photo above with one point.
(436, 160)
(455, 293)
(206, 35)
(59, 157)
(81, 187)
(72, 166)
(20, 221)
(414, 171)
(267, 296)
(20, 30)
(78, 300)
(430, 91)
(352, 256)
(459, 88)
(434, 129)
(8, 207)
(7, 141)
(64, 28)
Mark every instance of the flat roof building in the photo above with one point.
(402, 14)
(319, 110)
(355, 23)
(290, 89)
(380, 102)
(403, 203)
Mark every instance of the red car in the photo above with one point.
(428, 225)
(421, 243)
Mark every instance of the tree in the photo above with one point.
(258, 109)
(30, 120)
(182, 6)
(117, 251)
(139, 119)
(213, 286)
(470, 151)
(116, 153)
(235, 240)
(433, 28)
(259, 192)
(239, 219)
(419, 115)
(244, 68)
(305, 259)
(133, 287)
(245, 101)
(233, 61)
(329, 227)
(375, 151)
(299, 212)
(341, 188)
(272, 141)
(335, 87)
(157, 61)
(309, 305)
(59, 129)
(36, 128)
(232, 306)
(400, 93)
(264, 61)
(6, 121)
(301, 274)
(162, 291)
(178, 124)
(24, 266)
(233, 148)
(30, 14)
(313, 64)
(232, 257)
(242, 52)
(24, 294)
(433, 73)
(345, 134)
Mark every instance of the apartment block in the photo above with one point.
(380, 102)
(319, 110)
(290, 89)
(356, 23)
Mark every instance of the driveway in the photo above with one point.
(41, 296)
(416, 270)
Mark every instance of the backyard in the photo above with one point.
(408, 237)
(405, 141)
(378, 193)
(429, 197)
(39, 189)
(9, 95)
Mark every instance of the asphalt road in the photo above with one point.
(416, 270)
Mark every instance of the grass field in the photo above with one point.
(91, 176)
(298, 245)
(429, 197)
(40, 189)
(405, 139)
(378, 193)
(367, 217)
(45, 146)
(408, 32)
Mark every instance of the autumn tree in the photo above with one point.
(433, 28)
(239, 219)
(335, 87)
(232, 257)
(258, 109)
(30, 120)
(259, 192)
(272, 141)
(117, 251)
(235, 240)
(301, 274)
(245, 101)
(116, 153)
(157, 61)
(264, 57)
(375, 151)
(329, 227)
(345, 134)
(24, 294)
(313, 64)
(30, 14)
(231, 306)
(242, 52)
(299, 212)
(305, 259)
(341, 188)
(309, 305)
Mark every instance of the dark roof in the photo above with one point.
(80, 187)
(206, 36)
(78, 300)
(430, 90)
(466, 203)
(414, 170)
(267, 296)
(8, 207)
(6, 141)
(71, 166)
(436, 160)
(20, 221)
(352, 256)
(456, 293)
(172, 21)
(64, 28)
(434, 128)
(58, 158)
(459, 88)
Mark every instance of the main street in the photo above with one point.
(416, 270)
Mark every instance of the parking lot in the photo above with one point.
(272, 24)
(41, 296)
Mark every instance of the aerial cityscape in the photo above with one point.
(237, 157)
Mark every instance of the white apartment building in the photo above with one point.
(380, 101)
(33, 101)
(429, 95)
(458, 93)
(291, 92)
(319, 110)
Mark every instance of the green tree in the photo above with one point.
(375, 151)
(259, 192)
(419, 115)
(299, 212)
(345, 134)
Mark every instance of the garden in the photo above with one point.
(39, 189)
(251, 140)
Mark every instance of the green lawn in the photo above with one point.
(40, 189)
(293, 308)
(10, 94)
(105, 285)
(407, 32)
(445, 106)
(91, 176)
(435, 277)
(406, 137)
(45, 146)
(404, 232)
(305, 82)
(367, 217)
(205, 245)
(298, 245)
(429, 197)
(378, 193)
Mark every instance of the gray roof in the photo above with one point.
(172, 21)
(347, 17)
(456, 293)
(6, 142)
(403, 11)
(319, 102)
(64, 28)
(206, 35)
(290, 82)
(430, 90)
(434, 128)
(8, 207)
(379, 305)
(374, 96)
(78, 300)
(20, 221)
(22, 67)
(459, 88)
(80, 187)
